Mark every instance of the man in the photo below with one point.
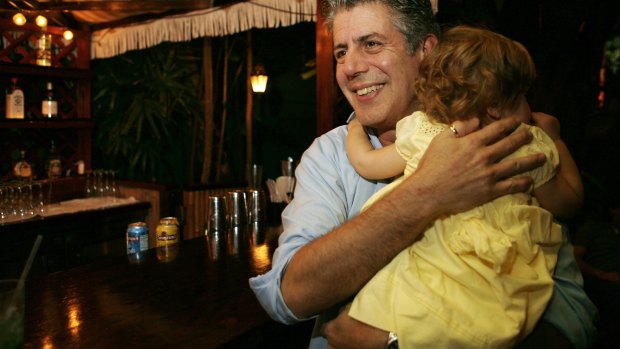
(328, 251)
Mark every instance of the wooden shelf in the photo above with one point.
(46, 124)
(70, 73)
(35, 70)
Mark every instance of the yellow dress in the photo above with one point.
(478, 279)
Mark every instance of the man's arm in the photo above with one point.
(455, 174)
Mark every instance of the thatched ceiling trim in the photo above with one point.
(217, 21)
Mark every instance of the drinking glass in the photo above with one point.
(88, 186)
(4, 208)
(100, 185)
(27, 207)
(113, 188)
(39, 197)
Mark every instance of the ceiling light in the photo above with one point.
(41, 21)
(19, 19)
(67, 35)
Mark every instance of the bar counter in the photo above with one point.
(198, 299)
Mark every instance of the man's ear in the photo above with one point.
(429, 43)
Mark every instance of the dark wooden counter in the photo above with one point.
(200, 299)
(68, 239)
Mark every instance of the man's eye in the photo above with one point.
(372, 44)
(340, 54)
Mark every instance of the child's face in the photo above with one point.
(521, 111)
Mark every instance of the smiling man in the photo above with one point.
(328, 250)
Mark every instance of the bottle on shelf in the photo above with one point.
(22, 168)
(44, 52)
(49, 105)
(53, 165)
(14, 101)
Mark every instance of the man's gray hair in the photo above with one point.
(413, 18)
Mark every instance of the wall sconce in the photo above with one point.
(19, 19)
(259, 79)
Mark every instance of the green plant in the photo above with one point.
(145, 104)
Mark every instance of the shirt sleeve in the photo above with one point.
(328, 192)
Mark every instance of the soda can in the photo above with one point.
(167, 237)
(137, 241)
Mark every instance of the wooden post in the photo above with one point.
(207, 68)
(248, 109)
(325, 86)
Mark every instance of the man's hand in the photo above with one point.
(464, 170)
(547, 123)
(344, 332)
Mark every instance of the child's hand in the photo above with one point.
(353, 124)
(547, 123)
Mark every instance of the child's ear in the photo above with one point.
(494, 112)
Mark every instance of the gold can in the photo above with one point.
(167, 231)
(167, 235)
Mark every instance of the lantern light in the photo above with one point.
(259, 79)
(19, 19)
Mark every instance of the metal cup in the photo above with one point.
(257, 204)
(237, 240)
(216, 243)
(216, 214)
(255, 176)
(237, 205)
(288, 167)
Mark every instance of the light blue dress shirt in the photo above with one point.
(329, 192)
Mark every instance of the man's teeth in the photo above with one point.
(368, 90)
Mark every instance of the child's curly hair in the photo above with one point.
(470, 70)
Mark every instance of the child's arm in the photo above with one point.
(563, 195)
(371, 163)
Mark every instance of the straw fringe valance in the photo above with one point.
(217, 21)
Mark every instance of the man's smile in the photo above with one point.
(366, 90)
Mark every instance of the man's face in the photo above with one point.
(374, 70)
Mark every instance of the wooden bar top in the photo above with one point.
(200, 299)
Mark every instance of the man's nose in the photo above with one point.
(355, 63)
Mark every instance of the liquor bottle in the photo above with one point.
(44, 53)
(53, 165)
(22, 168)
(14, 101)
(49, 105)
